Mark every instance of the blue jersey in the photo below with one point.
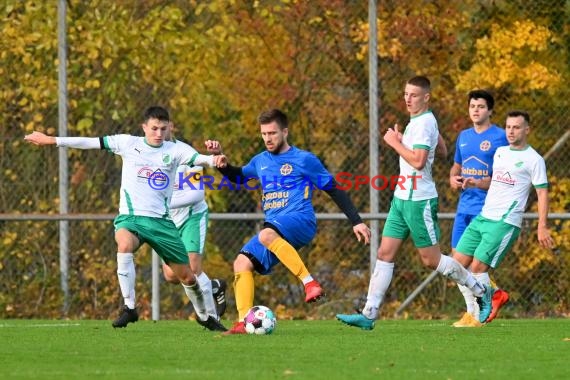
(474, 152)
(288, 180)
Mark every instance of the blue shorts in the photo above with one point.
(297, 229)
(459, 225)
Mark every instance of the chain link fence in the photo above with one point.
(215, 65)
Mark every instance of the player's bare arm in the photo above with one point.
(441, 148)
(544, 238)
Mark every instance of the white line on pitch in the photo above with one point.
(43, 325)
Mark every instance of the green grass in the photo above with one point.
(395, 349)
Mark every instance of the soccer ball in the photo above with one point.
(260, 320)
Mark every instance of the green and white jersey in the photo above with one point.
(189, 194)
(148, 173)
(514, 171)
(418, 185)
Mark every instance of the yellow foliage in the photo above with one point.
(509, 56)
(84, 124)
(9, 238)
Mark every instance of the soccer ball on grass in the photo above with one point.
(260, 320)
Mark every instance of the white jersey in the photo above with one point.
(148, 173)
(421, 133)
(189, 194)
(514, 171)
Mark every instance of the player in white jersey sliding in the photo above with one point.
(413, 210)
(189, 212)
(149, 167)
(516, 168)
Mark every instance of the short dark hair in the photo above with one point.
(273, 115)
(421, 81)
(156, 112)
(517, 113)
(482, 94)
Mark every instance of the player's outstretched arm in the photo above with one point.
(217, 159)
(343, 201)
(39, 138)
(212, 161)
(220, 161)
(233, 173)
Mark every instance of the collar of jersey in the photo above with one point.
(519, 150)
(423, 113)
(291, 147)
(152, 146)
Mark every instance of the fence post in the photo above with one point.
(62, 154)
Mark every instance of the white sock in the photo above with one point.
(307, 279)
(127, 275)
(470, 301)
(451, 268)
(379, 283)
(483, 278)
(206, 286)
(195, 295)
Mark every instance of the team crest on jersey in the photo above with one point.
(286, 169)
(166, 158)
(485, 145)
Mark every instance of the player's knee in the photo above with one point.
(464, 260)
(126, 241)
(385, 255)
(428, 262)
(478, 266)
(242, 263)
(171, 278)
(169, 275)
(183, 273)
(267, 236)
(430, 257)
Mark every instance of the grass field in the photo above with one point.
(395, 349)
